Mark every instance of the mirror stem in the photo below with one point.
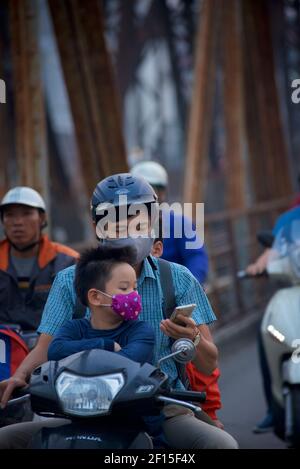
(178, 352)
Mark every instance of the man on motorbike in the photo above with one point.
(260, 264)
(182, 429)
(29, 261)
(256, 268)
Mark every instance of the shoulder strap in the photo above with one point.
(167, 286)
(169, 304)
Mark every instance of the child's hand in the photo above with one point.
(117, 347)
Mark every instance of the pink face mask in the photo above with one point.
(127, 305)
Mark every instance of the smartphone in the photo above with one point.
(185, 310)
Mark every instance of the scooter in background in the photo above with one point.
(280, 331)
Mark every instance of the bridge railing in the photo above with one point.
(230, 238)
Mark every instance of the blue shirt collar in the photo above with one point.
(147, 270)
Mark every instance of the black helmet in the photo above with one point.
(136, 189)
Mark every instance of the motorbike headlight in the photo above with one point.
(87, 396)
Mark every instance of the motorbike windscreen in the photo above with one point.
(284, 257)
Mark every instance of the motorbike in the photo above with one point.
(105, 397)
(29, 337)
(13, 349)
(280, 331)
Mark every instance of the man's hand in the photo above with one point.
(260, 264)
(175, 331)
(8, 386)
(206, 351)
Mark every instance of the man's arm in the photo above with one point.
(260, 264)
(60, 304)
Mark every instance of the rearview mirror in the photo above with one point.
(184, 349)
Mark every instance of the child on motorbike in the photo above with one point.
(105, 281)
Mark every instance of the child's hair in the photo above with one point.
(93, 269)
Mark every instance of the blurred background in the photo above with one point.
(202, 86)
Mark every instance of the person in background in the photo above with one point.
(29, 261)
(256, 268)
(196, 260)
(260, 264)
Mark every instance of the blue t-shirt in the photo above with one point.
(136, 339)
(175, 250)
(286, 219)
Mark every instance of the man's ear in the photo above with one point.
(43, 219)
(157, 249)
(94, 297)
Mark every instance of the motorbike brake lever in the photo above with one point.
(168, 400)
(18, 400)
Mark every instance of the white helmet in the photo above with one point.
(153, 172)
(23, 196)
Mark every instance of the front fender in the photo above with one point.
(291, 371)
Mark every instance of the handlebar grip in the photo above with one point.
(20, 392)
(242, 274)
(195, 396)
(19, 396)
(18, 400)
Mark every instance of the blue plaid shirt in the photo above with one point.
(62, 299)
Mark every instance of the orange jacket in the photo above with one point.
(208, 384)
(26, 309)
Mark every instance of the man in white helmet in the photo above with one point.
(29, 261)
(175, 250)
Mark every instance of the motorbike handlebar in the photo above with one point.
(18, 400)
(19, 395)
(195, 396)
(243, 275)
